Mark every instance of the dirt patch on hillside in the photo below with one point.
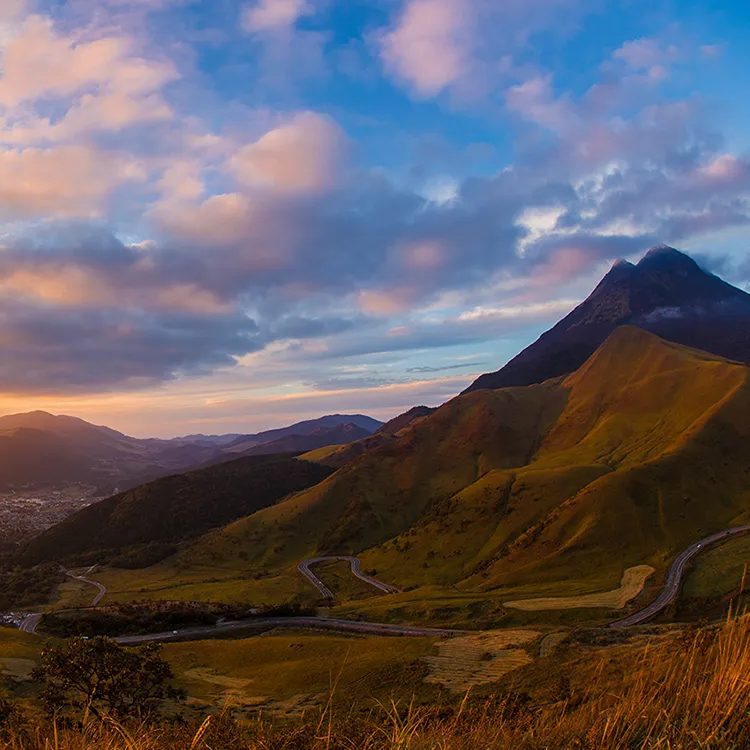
(472, 660)
(18, 669)
(631, 585)
(235, 696)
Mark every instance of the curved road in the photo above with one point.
(102, 588)
(318, 623)
(674, 579)
(666, 597)
(304, 568)
(30, 623)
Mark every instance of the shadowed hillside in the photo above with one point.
(666, 293)
(174, 508)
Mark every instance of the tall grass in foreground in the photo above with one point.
(691, 693)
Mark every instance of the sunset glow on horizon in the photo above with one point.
(225, 217)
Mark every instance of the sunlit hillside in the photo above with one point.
(624, 462)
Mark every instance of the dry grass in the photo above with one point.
(463, 663)
(631, 585)
(691, 693)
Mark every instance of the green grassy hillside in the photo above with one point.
(542, 491)
(624, 462)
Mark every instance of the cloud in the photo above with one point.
(102, 84)
(429, 46)
(645, 54)
(272, 15)
(216, 235)
(69, 181)
(306, 154)
(83, 350)
(535, 100)
(11, 9)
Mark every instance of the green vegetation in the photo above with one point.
(545, 491)
(281, 671)
(28, 587)
(720, 571)
(550, 490)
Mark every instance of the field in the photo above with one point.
(667, 688)
(283, 672)
(224, 584)
(631, 585)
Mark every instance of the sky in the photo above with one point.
(222, 216)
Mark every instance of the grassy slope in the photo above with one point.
(387, 490)
(719, 571)
(279, 666)
(550, 490)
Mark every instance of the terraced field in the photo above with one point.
(468, 661)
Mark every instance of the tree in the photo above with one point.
(100, 677)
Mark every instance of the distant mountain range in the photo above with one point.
(666, 293)
(637, 452)
(38, 449)
(323, 426)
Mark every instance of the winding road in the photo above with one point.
(30, 623)
(304, 568)
(316, 623)
(674, 579)
(102, 588)
(665, 598)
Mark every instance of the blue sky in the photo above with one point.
(224, 216)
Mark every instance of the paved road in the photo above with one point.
(102, 588)
(304, 568)
(318, 623)
(674, 579)
(29, 624)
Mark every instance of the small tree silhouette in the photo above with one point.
(98, 676)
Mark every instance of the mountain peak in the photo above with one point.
(622, 263)
(666, 293)
(667, 257)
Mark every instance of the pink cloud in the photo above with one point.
(69, 181)
(304, 155)
(535, 100)
(645, 54)
(429, 47)
(107, 84)
(11, 9)
(386, 302)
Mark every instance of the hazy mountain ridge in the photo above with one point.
(38, 449)
(245, 443)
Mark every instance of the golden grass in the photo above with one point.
(719, 571)
(631, 585)
(686, 693)
(280, 666)
(465, 662)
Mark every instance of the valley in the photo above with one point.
(25, 514)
